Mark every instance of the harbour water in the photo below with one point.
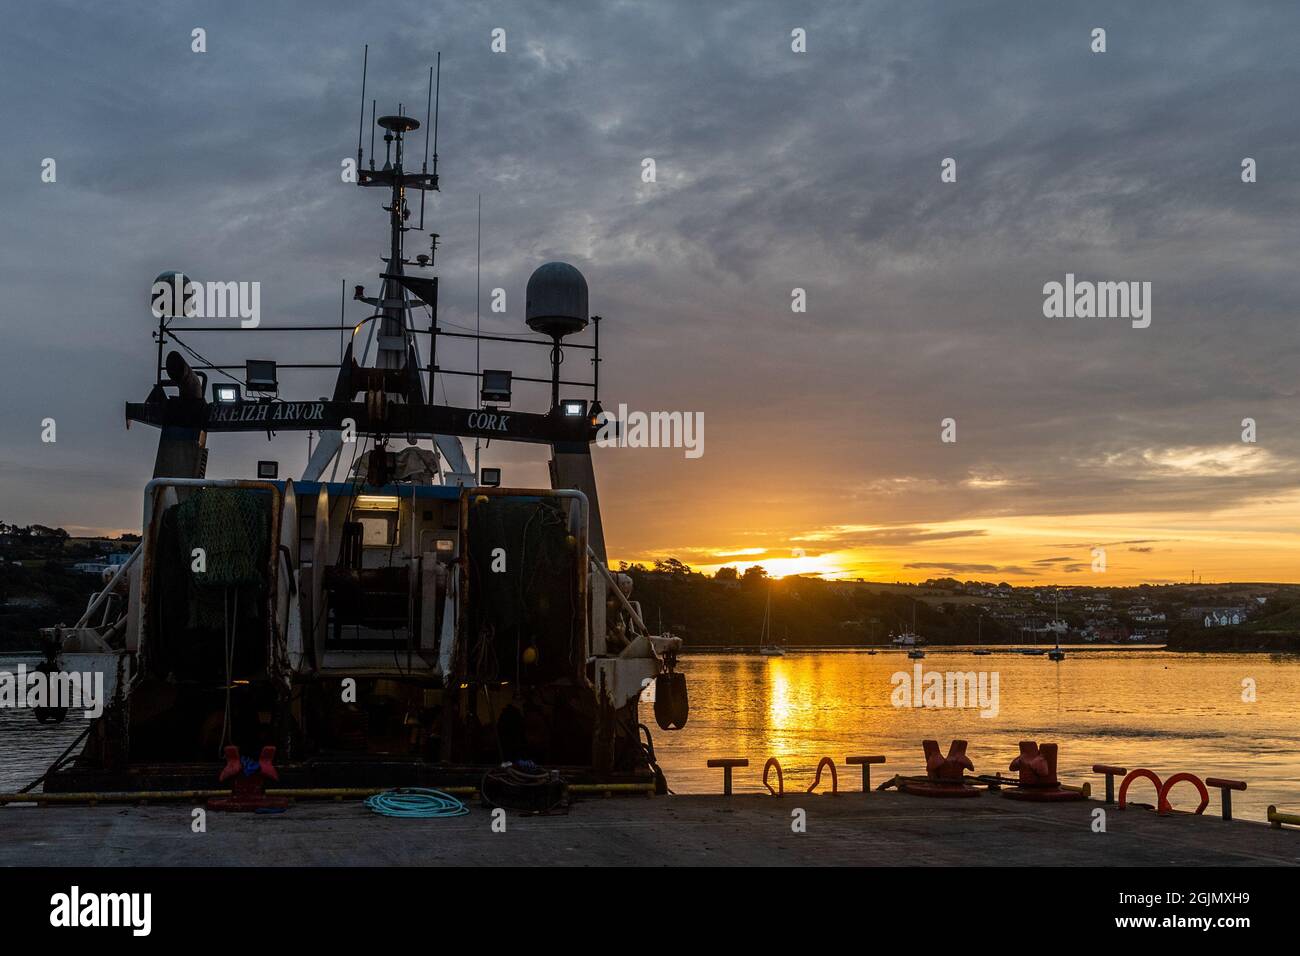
(1163, 710)
(26, 746)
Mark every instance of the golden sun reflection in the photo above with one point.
(780, 705)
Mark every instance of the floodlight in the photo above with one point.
(496, 386)
(259, 376)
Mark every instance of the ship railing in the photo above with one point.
(102, 596)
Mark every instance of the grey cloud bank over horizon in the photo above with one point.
(775, 171)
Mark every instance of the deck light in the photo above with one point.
(444, 545)
(259, 376)
(268, 470)
(574, 407)
(496, 386)
(376, 502)
(225, 393)
(491, 478)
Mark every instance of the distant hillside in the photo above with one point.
(38, 587)
(727, 609)
(40, 594)
(1278, 632)
(709, 611)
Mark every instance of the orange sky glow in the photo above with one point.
(1245, 543)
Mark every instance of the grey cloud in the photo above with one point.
(775, 170)
(959, 568)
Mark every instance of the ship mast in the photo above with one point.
(395, 337)
(394, 396)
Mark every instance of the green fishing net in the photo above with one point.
(233, 527)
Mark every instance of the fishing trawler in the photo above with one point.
(410, 621)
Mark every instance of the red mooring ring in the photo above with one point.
(780, 778)
(1178, 778)
(1133, 775)
(825, 762)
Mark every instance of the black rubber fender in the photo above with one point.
(47, 714)
(672, 706)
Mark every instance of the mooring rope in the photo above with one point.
(59, 760)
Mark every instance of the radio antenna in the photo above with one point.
(361, 120)
(372, 133)
(478, 294)
(437, 97)
(425, 168)
(478, 322)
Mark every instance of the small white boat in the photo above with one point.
(911, 640)
(765, 645)
(1058, 627)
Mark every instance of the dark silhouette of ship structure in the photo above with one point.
(407, 622)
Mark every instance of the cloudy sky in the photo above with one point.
(776, 170)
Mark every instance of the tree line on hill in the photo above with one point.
(727, 608)
(38, 587)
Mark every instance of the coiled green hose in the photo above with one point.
(416, 803)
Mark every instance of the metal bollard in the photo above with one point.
(1225, 791)
(726, 763)
(1111, 773)
(866, 763)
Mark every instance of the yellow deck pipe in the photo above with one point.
(1276, 819)
(296, 793)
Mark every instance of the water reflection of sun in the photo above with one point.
(780, 703)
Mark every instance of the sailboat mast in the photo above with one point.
(767, 618)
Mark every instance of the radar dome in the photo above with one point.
(556, 301)
(172, 295)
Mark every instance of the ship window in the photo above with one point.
(378, 530)
(306, 539)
